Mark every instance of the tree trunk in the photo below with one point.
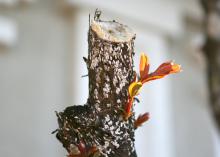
(212, 53)
(98, 128)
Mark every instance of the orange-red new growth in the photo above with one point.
(133, 90)
(128, 112)
(84, 151)
(135, 87)
(82, 147)
(162, 71)
(144, 66)
(141, 119)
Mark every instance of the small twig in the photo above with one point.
(54, 131)
(136, 99)
(85, 75)
(97, 15)
(85, 60)
(89, 20)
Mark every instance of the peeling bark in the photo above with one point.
(212, 53)
(98, 128)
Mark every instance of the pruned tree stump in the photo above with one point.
(98, 127)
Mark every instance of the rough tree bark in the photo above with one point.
(212, 53)
(98, 128)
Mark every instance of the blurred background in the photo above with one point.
(42, 43)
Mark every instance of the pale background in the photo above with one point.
(42, 43)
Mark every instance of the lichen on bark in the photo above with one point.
(98, 127)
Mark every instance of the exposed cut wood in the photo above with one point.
(112, 31)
